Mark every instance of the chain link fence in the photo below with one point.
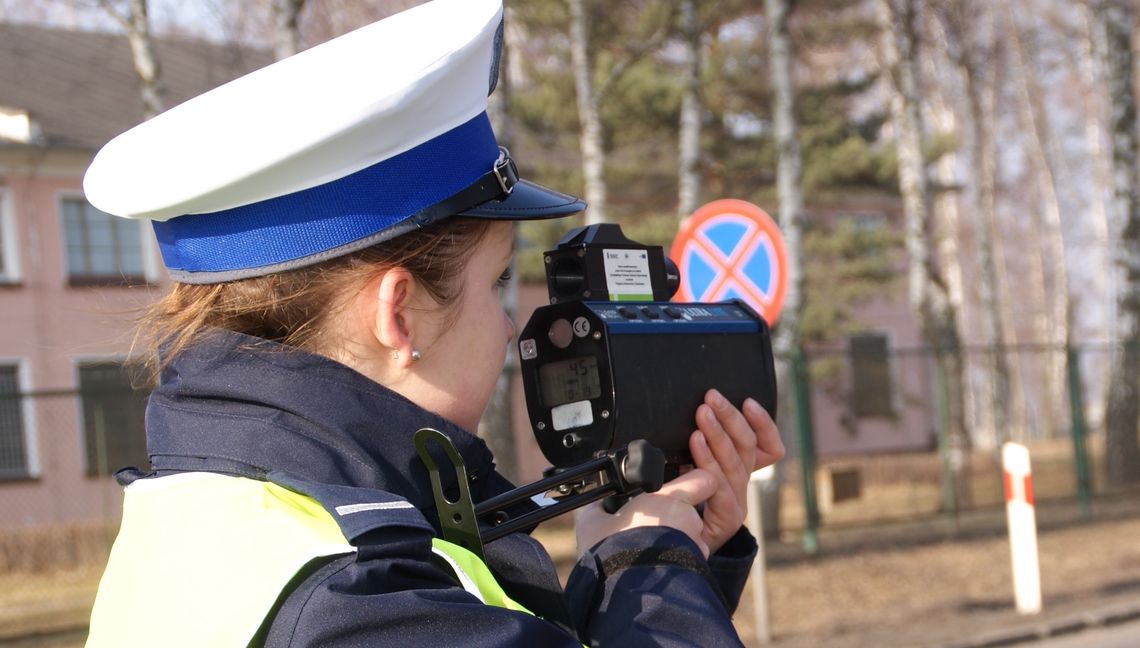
(876, 441)
(59, 504)
(890, 436)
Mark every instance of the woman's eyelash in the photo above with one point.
(505, 278)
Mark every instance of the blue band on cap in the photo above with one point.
(311, 221)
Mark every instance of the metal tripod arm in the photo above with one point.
(640, 467)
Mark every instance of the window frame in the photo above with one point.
(893, 409)
(78, 363)
(146, 275)
(28, 412)
(10, 264)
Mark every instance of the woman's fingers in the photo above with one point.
(692, 488)
(734, 423)
(674, 505)
(730, 437)
(727, 446)
(730, 444)
(723, 512)
(769, 445)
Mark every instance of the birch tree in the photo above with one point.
(1113, 22)
(689, 136)
(789, 192)
(966, 31)
(590, 93)
(789, 171)
(929, 298)
(1041, 152)
(286, 38)
(1091, 79)
(133, 18)
(589, 117)
(946, 210)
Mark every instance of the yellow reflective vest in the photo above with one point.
(201, 560)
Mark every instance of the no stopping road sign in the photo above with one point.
(732, 249)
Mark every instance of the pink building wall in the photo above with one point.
(49, 328)
(838, 431)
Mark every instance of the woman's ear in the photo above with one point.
(395, 318)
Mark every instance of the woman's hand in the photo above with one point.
(674, 505)
(728, 445)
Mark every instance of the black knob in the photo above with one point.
(644, 467)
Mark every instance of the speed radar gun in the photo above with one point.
(613, 374)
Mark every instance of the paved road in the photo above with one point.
(1125, 635)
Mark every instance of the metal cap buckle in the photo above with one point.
(505, 171)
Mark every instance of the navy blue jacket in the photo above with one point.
(244, 406)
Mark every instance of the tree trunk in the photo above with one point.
(789, 190)
(928, 296)
(589, 118)
(137, 25)
(789, 185)
(285, 38)
(689, 139)
(950, 39)
(1114, 21)
(1055, 270)
(1094, 131)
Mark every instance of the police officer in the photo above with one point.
(337, 227)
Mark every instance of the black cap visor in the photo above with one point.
(527, 201)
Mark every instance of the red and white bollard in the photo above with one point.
(1022, 517)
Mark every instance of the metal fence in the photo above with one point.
(899, 459)
(59, 506)
(868, 432)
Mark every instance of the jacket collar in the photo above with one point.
(243, 405)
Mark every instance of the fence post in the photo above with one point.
(949, 492)
(1077, 421)
(806, 442)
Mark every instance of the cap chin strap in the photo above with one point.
(497, 183)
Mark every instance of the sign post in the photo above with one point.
(759, 568)
(731, 249)
(1019, 508)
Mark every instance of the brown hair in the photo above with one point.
(293, 307)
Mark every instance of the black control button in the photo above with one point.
(651, 312)
(673, 311)
(627, 312)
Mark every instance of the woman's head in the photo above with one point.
(434, 291)
(302, 205)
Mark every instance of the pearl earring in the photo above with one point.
(416, 356)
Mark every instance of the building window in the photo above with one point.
(13, 432)
(872, 387)
(9, 250)
(112, 417)
(101, 248)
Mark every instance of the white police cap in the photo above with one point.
(352, 142)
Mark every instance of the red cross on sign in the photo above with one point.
(732, 249)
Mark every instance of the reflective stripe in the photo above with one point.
(200, 546)
(474, 575)
(465, 581)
